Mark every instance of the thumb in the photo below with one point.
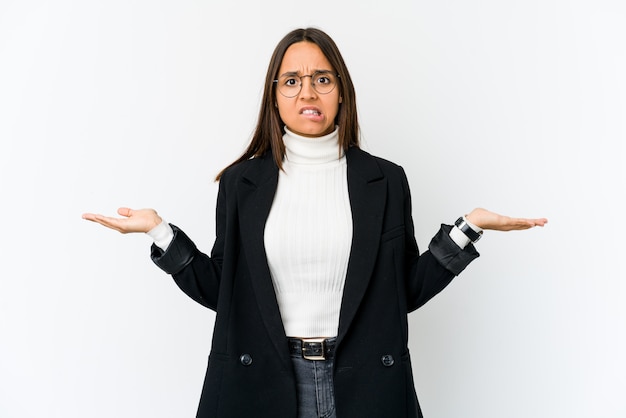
(127, 212)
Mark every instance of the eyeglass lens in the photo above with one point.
(322, 82)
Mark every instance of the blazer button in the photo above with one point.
(387, 360)
(246, 359)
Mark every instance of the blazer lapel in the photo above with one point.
(367, 188)
(255, 194)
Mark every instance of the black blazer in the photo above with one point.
(249, 372)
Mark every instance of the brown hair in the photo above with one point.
(268, 134)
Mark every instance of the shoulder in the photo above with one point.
(254, 170)
(363, 160)
(371, 168)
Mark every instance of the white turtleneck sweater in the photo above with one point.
(308, 235)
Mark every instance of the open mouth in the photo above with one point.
(311, 112)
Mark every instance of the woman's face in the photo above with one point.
(309, 113)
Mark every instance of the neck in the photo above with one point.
(305, 150)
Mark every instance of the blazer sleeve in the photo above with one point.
(196, 273)
(429, 273)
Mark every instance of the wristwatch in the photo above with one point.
(469, 232)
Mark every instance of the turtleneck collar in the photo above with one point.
(319, 150)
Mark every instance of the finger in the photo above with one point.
(127, 212)
(89, 216)
(535, 222)
(109, 223)
(95, 217)
(112, 223)
(530, 223)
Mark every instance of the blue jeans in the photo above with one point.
(316, 394)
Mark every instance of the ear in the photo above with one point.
(340, 99)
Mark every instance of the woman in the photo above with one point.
(315, 265)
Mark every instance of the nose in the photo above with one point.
(307, 91)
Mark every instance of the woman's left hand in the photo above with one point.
(489, 220)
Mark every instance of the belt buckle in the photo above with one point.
(313, 348)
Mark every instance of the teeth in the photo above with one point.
(310, 112)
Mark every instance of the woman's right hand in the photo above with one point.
(140, 220)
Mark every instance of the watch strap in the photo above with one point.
(469, 232)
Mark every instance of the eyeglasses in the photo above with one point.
(323, 82)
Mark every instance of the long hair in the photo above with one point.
(268, 134)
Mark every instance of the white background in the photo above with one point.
(517, 106)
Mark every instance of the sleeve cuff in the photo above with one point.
(162, 235)
(459, 237)
(449, 254)
(178, 254)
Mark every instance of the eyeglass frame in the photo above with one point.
(312, 82)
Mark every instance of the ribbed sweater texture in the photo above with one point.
(308, 235)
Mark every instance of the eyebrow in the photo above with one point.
(295, 73)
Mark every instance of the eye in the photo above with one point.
(290, 82)
(323, 79)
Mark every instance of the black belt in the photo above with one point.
(312, 348)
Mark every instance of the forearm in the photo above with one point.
(194, 272)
